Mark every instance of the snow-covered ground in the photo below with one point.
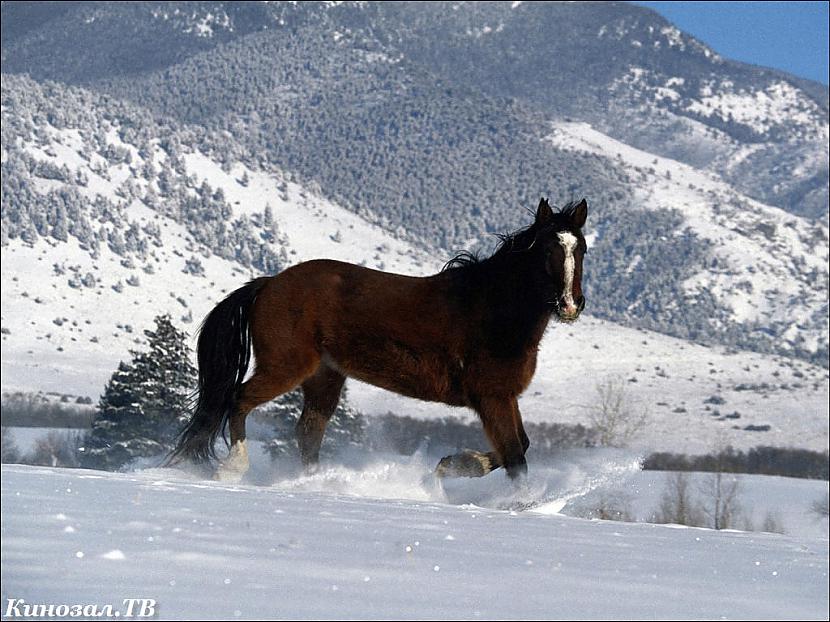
(202, 549)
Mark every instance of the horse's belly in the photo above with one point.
(423, 376)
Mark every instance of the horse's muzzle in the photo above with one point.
(572, 314)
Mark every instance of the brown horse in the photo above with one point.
(467, 336)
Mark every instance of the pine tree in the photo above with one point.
(144, 403)
(172, 377)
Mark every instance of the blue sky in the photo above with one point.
(786, 35)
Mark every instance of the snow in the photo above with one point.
(484, 30)
(673, 37)
(310, 221)
(762, 109)
(211, 551)
(32, 359)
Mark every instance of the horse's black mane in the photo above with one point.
(519, 240)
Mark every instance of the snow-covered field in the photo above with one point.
(293, 549)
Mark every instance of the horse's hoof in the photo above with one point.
(311, 469)
(466, 463)
(234, 467)
(228, 476)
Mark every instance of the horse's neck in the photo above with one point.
(515, 307)
(529, 331)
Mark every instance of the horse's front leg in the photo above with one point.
(503, 426)
(468, 463)
(505, 431)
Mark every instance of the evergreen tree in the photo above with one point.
(144, 403)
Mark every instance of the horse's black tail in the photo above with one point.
(223, 353)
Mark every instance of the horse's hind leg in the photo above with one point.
(262, 387)
(321, 393)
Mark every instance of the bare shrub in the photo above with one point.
(36, 410)
(9, 452)
(761, 460)
(613, 507)
(821, 506)
(614, 415)
(772, 523)
(721, 503)
(56, 449)
(677, 505)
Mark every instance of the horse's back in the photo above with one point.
(337, 286)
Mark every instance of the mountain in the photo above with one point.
(438, 122)
(112, 216)
(636, 77)
(614, 65)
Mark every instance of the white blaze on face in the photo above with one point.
(568, 242)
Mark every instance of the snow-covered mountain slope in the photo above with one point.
(203, 550)
(629, 71)
(70, 311)
(69, 315)
(434, 116)
(763, 134)
(768, 267)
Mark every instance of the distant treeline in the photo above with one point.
(786, 462)
(406, 435)
(27, 410)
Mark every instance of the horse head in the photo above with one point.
(561, 243)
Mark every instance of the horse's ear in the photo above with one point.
(579, 214)
(543, 213)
